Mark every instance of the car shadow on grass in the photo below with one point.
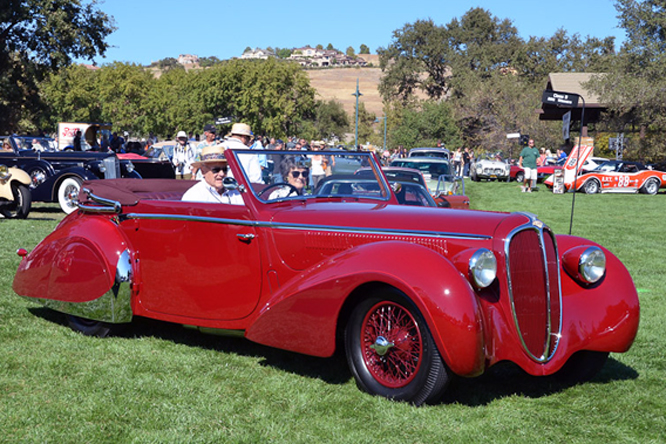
(506, 379)
(332, 370)
(503, 380)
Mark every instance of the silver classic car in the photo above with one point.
(487, 166)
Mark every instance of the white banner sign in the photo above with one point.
(566, 122)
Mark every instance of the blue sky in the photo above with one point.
(149, 31)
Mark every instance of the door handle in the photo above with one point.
(245, 237)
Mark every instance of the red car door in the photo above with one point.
(201, 262)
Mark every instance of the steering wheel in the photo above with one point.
(293, 190)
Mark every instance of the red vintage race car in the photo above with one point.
(413, 295)
(621, 177)
(611, 176)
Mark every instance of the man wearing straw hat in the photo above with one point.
(240, 138)
(213, 166)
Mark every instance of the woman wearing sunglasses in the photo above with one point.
(296, 174)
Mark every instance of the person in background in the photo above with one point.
(319, 164)
(275, 162)
(467, 158)
(457, 162)
(6, 146)
(240, 139)
(77, 140)
(549, 157)
(528, 162)
(263, 161)
(541, 161)
(210, 133)
(183, 156)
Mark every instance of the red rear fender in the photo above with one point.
(74, 264)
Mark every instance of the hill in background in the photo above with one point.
(340, 84)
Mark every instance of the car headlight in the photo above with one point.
(95, 166)
(585, 263)
(482, 268)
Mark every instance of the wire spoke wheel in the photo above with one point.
(392, 344)
(391, 352)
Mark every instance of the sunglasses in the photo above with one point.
(297, 174)
(216, 170)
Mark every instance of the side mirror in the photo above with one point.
(230, 183)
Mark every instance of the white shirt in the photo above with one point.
(202, 192)
(250, 162)
(183, 156)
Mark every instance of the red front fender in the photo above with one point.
(302, 315)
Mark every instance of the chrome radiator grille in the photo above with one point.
(112, 167)
(534, 288)
(495, 171)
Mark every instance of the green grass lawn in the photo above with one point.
(160, 382)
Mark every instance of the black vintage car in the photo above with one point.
(56, 176)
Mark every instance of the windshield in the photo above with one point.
(441, 153)
(35, 143)
(277, 175)
(429, 168)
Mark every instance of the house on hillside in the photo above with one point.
(188, 60)
(257, 53)
(312, 57)
(306, 52)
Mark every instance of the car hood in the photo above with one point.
(70, 156)
(399, 218)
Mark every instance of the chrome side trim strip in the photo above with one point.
(306, 227)
(114, 306)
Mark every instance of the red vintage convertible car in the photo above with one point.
(413, 295)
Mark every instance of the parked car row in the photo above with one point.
(56, 176)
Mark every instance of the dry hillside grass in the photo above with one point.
(340, 83)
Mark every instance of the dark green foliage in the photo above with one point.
(167, 63)
(418, 59)
(41, 36)
(272, 96)
(330, 119)
(424, 125)
(635, 84)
